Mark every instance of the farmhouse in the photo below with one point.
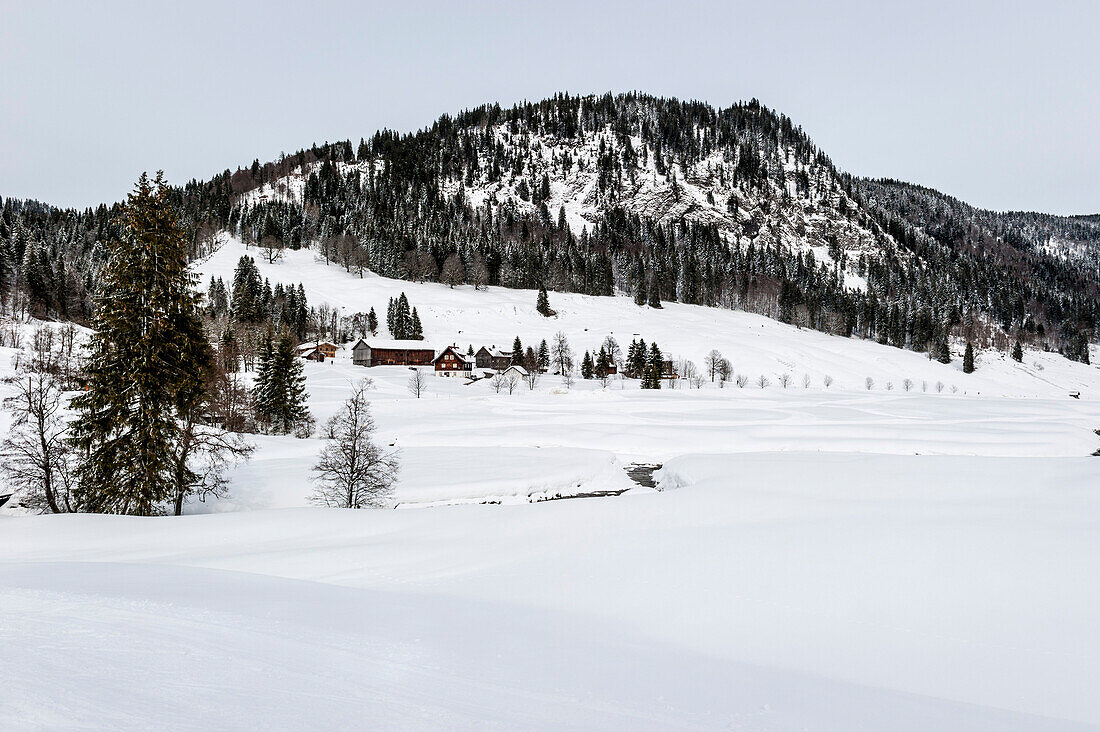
(317, 351)
(493, 358)
(517, 371)
(378, 352)
(452, 362)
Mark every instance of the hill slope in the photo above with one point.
(657, 198)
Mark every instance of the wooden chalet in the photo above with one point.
(493, 358)
(378, 352)
(317, 351)
(453, 362)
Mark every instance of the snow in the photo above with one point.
(754, 344)
(815, 558)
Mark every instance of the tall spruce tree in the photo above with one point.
(543, 303)
(280, 393)
(146, 362)
(587, 367)
(968, 359)
(543, 359)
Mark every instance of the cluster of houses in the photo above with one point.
(449, 362)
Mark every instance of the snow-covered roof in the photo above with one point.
(398, 345)
(311, 345)
(468, 360)
(518, 369)
(496, 352)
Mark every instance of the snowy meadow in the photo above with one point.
(883, 543)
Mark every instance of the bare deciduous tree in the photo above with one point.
(453, 271)
(36, 454)
(763, 382)
(561, 355)
(352, 471)
(479, 274)
(418, 383)
(827, 381)
(742, 381)
(869, 383)
(532, 378)
(907, 384)
(271, 249)
(713, 363)
(784, 380)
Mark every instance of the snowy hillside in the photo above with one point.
(755, 345)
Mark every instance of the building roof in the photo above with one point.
(405, 345)
(468, 360)
(518, 369)
(495, 352)
(311, 345)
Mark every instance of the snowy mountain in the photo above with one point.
(664, 200)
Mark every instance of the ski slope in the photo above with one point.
(813, 558)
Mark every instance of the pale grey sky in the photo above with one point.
(997, 103)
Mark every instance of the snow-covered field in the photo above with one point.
(822, 559)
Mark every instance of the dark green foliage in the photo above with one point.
(968, 359)
(146, 365)
(603, 363)
(587, 366)
(543, 358)
(403, 322)
(280, 395)
(637, 356)
(517, 352)
(543, 305)
(1017, 352)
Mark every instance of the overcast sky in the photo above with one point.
(997, 103)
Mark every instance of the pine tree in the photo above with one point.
(654, 300)
(416, 330)
(280, 395)
(655, 355)
(941, 350)
(147, 362)
(372, 322)
(637, 357)
(603, 363)
(587, 367)
(968, 359)
(264, 392)
(517, 352)
(543, 305)
(1017, 352)
(246, 304)
(543, 360)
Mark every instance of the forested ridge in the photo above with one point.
(662, 199)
